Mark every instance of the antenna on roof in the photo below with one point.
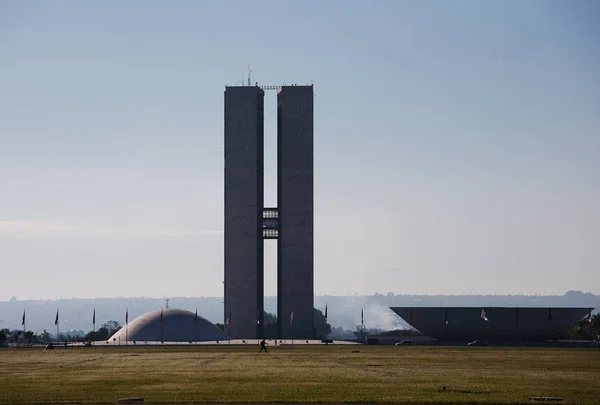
(249, 74)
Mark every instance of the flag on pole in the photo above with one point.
(484, 316)
(161, 316)
(126, 316)
(56, 320)
(325, 312)
(23, 321)
(196, 316)
(94, 318)
(292, 317)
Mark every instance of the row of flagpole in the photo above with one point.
(56, 321)
(362, 321)
(195, 318)
(228, 322)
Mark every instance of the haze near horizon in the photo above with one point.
(456, 144)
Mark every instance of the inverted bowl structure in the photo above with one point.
(502, 324)
(169, 325)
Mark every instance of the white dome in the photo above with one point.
(177, 325)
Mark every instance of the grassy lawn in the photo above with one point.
(384, 374)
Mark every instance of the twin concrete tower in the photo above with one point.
(248, 222)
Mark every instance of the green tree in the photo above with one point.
(269, 318)
(14, 336)
(321, 327)
(45, 337)
(112, 327)
(270, 326)
(104, 332)
(595, 326)
(94, 336)
(585, 329)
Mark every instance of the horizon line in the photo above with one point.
(16, 299)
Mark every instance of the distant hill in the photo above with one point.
(344, 311)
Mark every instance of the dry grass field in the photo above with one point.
(376, 374)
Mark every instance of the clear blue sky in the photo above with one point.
(457, 144)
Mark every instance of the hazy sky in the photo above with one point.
(457, 144)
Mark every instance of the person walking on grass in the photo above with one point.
(263, 346)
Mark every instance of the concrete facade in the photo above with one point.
(295, 282)
(503, 324)
(244, 191)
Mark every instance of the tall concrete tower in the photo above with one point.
(244, 194)
(295, 203)
(248, 222)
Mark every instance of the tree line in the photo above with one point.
(27, 337)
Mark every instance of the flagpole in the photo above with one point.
(362, 325)
(126, 326)
(325, 323)
(57, 330)
(292, 325)
(259, 332)
(229, 328)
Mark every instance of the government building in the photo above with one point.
(248, 222)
